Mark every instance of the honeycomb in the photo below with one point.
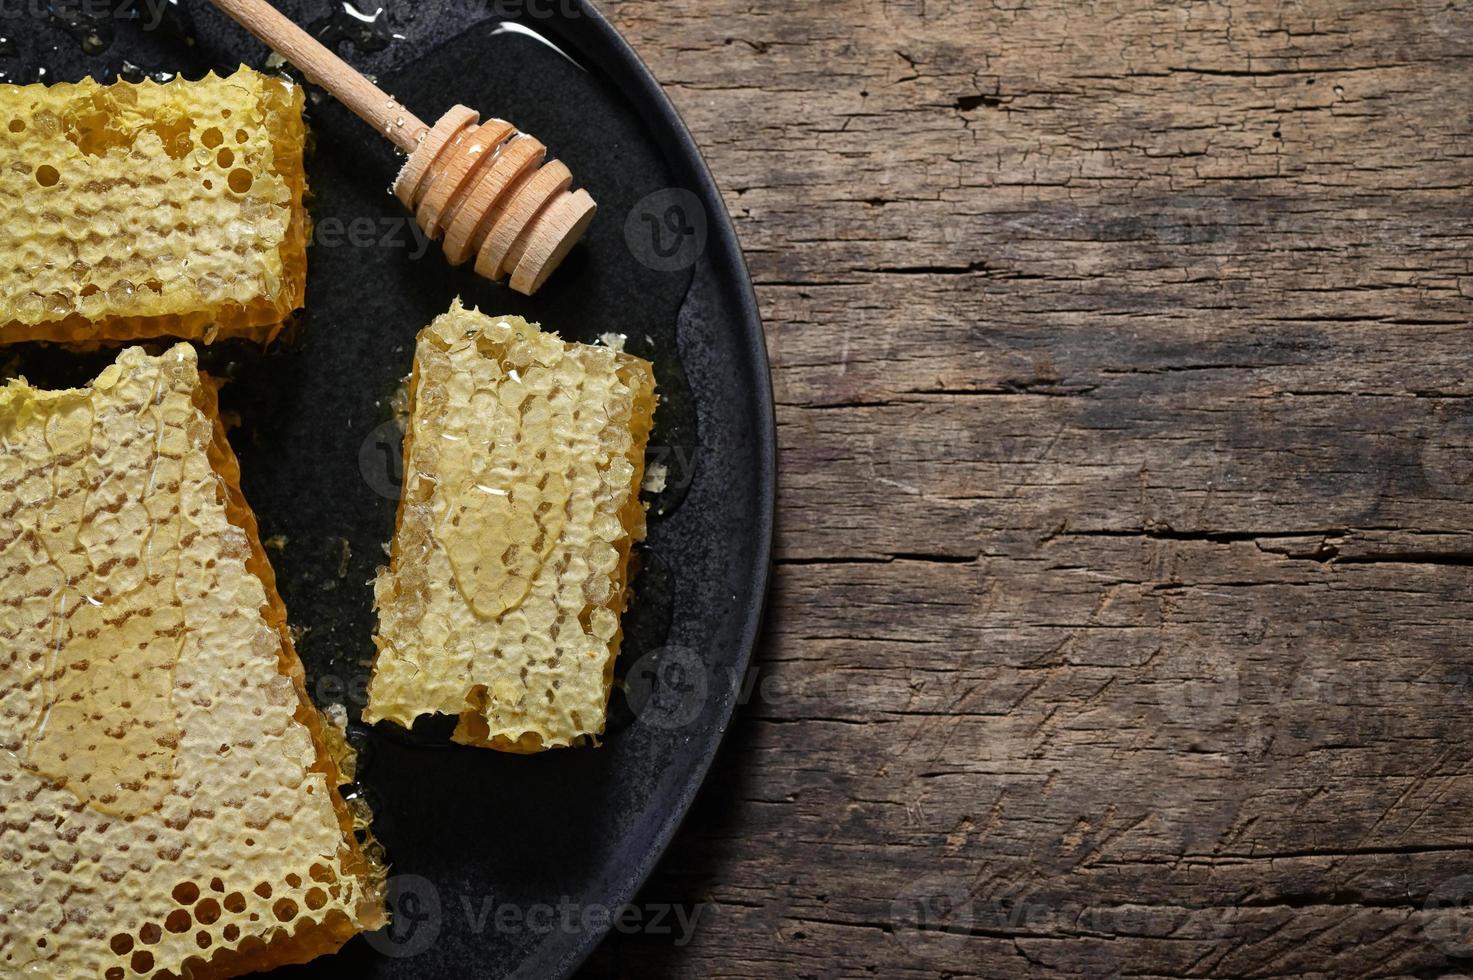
(168, 805)
(510, 564)
(151, 210)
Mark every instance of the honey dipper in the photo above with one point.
(481, 186)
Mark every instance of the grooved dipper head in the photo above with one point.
(489, 193)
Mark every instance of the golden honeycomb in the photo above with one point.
(138, 210)
(510, 565)
(168, 804)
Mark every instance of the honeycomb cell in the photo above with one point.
(104, 179)
(149, 635)
(510, 563)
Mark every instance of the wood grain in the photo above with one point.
(1126, 538)
(369, 102)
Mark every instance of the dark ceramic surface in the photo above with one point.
(505, 866)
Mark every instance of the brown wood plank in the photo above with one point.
(1126, 533)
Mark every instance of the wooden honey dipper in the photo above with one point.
(482, 186)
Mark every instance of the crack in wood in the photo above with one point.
(1126, 458)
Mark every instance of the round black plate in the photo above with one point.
(503, 865)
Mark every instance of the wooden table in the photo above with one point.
(1123, 372)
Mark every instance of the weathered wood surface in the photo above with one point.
(1126, 542)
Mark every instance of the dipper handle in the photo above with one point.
(369, 102)
(483, 187)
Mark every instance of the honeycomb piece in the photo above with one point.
(168, 804)
(151, 210)
(510, 565)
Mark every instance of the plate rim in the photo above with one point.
(724, 251)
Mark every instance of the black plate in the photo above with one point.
(504, 865)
